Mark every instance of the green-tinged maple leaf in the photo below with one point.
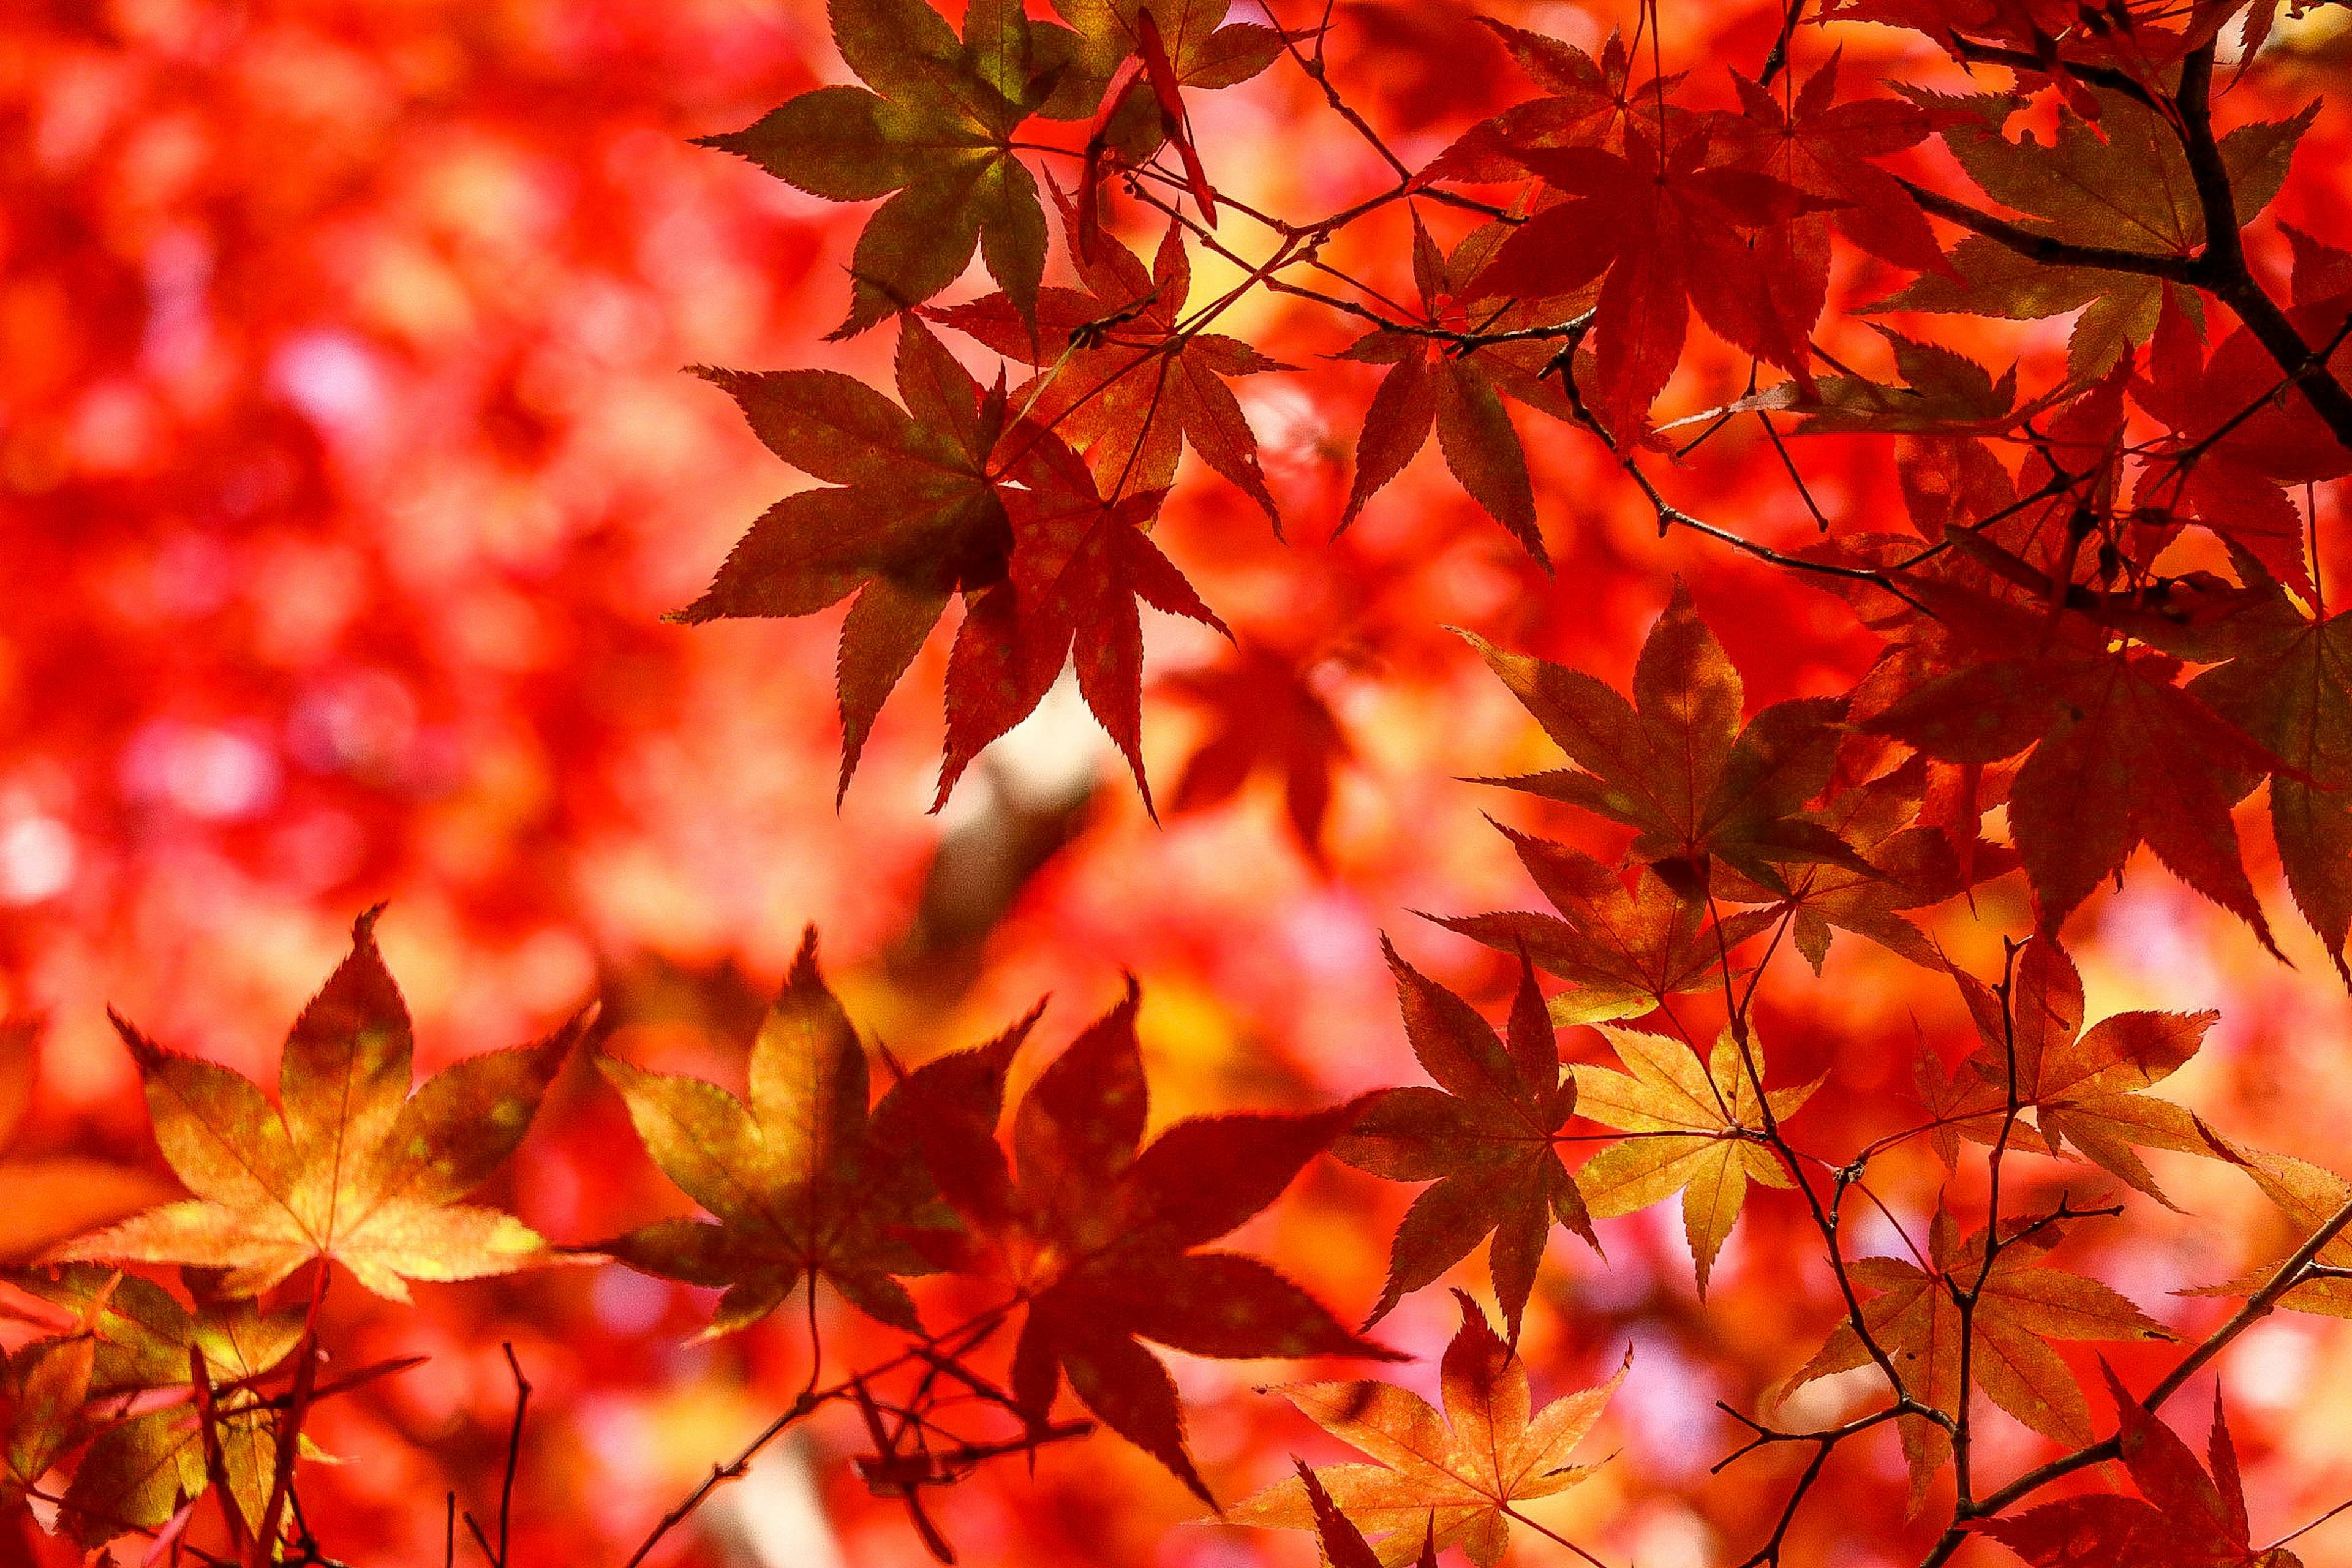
(2122, 183)
(2183, 1518)
(348, 1166)
(1203, 48)
(1119, 379)
(1081, 565)
(1695, 1128)
(138, 1470)
(143, 1333)
(136, 1338)
(1097, 1231)
(1430, 384)
(1445, 1479)
(1136, 60)
(2083, 1087)
(937, 129)
(1484, 1136)
(1943, 392)
(803, 1184)
(1677, 765)
(2290, 688)
(1915, 1317)
(911, 518)
(2121, 753)
(53, 1196)
(46, 1384)
(1622, 952)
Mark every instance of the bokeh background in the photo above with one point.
(346, 467)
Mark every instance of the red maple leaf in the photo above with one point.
(1097, 1231)
(1080, 563)
(2188, 1519)
(1665, 223)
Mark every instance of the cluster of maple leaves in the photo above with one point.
(2104, 616)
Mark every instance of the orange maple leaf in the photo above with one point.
(1915, 1317)
(1440, 1479)
(802, 1183)
(348, 1165)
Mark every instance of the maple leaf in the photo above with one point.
(1823, 150)
(1121, 379)
(1267, 715)
(1097, 1231)
(805, 1185)
(1913, 1315)
(2123, 183)
(1438, 1479)
(1143, 56)
(1200, 45)
(1622, 952)
(1343, 1544)
(2290, 688)
(2235, 449)
(143, 1334)
(1664, 223)
(912, 517)
(1697, 1129)
(139, 1469)
(2310, 1196)
(348, 1166)
(1944, 392)
(1586, 104)
(53, 1196)
(43, 1387)
(937, 129)
(1677, 765)
(1911, 866)
(2084, 1088)
(2183, 1518)
(1081, 564)
(1430, 383)
(1484, 1136)
(2120, 753)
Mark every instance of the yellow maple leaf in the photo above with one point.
(1440, 1479)
(1698, 1130)
(348, 1165)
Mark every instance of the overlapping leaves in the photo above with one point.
(2183, 1518)
(804, 1185)
(2123, 183)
